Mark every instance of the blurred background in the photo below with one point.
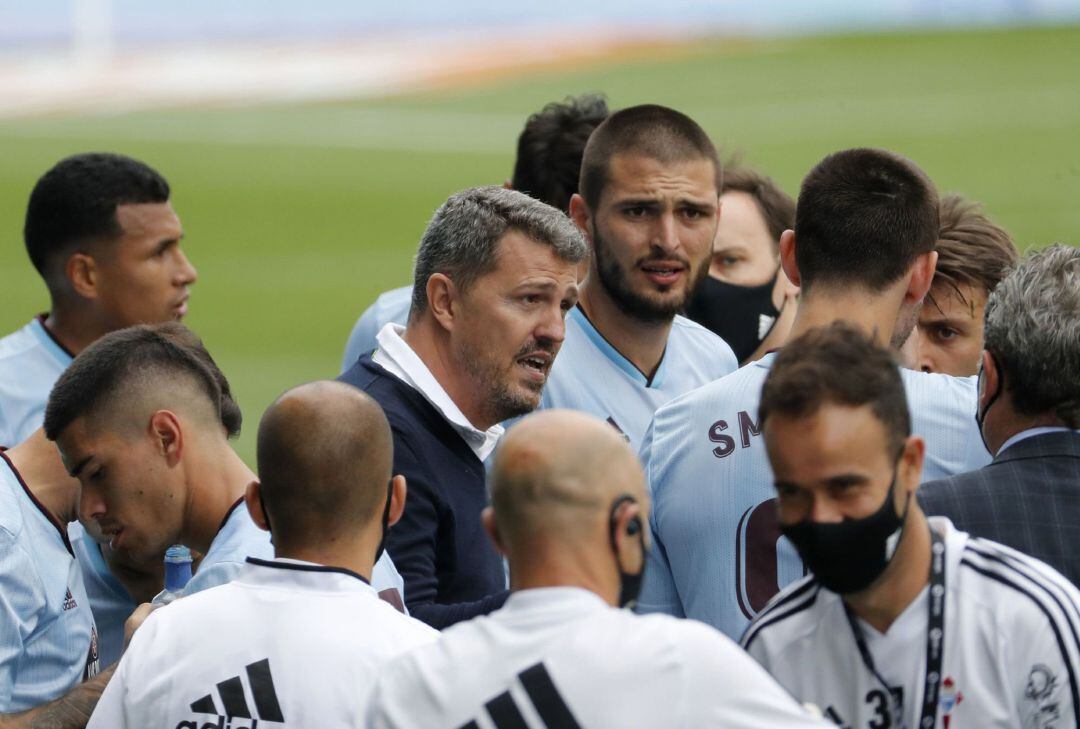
(307, 144)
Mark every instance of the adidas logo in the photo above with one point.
(234, 703)
(504, 712)
(69, 601)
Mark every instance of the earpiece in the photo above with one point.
(634, 526)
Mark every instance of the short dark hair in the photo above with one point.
(837, 364)
(649, 130)
(862, 218)
(550, 147)
(116, 363)
(75, 203)
(231, 415)
(777, 208)
(971, 248)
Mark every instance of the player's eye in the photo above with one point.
(636, 211)
(946, 333)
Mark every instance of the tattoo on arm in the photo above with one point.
(70, 711)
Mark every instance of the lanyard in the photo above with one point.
(935, 641)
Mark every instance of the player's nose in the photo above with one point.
(186, 274)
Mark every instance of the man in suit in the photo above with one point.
(1029, 412)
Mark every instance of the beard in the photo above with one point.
(636, 305)
(503, 398)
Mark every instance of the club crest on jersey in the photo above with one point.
(1040, 691)
(93, 662)
(235, 712)
(950, 698)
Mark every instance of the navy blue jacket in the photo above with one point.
(450, 567)
(1028, 498)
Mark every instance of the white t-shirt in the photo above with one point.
(1010, 645)
(562, 658)
(31, 360)
(286, 643)
(589, 374)
(718, 555)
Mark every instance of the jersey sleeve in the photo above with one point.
(658, 592)
(219, 573)
(21, 599)
(724, 686)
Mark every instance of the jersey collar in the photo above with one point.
(578, 317)
(298, 573)
(49, 342)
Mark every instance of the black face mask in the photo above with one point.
(629, 584)
(385, 521)
(980, 413)
(740, 315)
(849, 556)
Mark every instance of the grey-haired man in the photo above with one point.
(1029, 414)
(495, 274)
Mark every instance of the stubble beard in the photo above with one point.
(637, 306)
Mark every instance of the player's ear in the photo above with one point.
(989, 381)
(398, 491)
(487, 516)
(629, 536)
(442, 295)
(922, 277)
(911, 463)
(787, 257)
(82, 274)
(164, 428)
(579, 213)
(253, 502)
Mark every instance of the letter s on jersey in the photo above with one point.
(726, 443)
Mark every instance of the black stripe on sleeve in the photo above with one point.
(986, 572)
(774, 616)
(546, 698)
(505, 713)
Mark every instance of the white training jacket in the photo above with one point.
(1010, 647)
(561, 658)
(285, 644)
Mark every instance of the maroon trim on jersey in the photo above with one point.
(41, 318)
(40, 506)
(228, 515)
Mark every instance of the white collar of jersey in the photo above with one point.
(1031, 433)
(298, 574)
(552, 603)
(396, 357)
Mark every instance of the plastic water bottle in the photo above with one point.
(177, 574)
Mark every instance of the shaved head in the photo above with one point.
(556, 475)
(324, 453)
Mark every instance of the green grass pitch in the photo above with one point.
(298, 216)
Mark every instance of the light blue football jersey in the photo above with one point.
(30, 363)
(240, 538)
(110, 601)
(717, 553)
(48, 642)
(391, 306)
(589, 374)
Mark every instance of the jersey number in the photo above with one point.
(755, 557)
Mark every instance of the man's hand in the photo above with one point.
(137, 618)
(70, 711)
